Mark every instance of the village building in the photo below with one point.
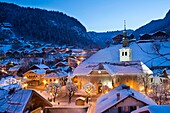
(102, 69)
(14, 70)
(22, 101)
(157, 36)
(122, 99)
(59, 77)
(35, 76)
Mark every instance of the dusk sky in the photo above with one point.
(104, 15)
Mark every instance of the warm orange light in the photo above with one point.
(25, 77)
(106, 92)
(99, 72)
(141, 88)
(78, 62)
(25, 85)
(56, 81)
(4, 71)
(44, 81)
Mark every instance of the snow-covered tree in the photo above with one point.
(160, 89)
(70, 89)
(144, 82)
(88, 88)
(53, 89)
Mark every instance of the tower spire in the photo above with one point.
(124, 25)
(125, 42)
(124, 32)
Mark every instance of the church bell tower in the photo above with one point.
(125, 51)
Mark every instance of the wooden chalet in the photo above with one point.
(22, 101)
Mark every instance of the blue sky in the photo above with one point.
(104, 15)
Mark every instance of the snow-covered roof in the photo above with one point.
(10, 86)
(81, 98)
(140, 52)
(56, 75)
(117, 68)
(154, 109)
(63, 68)
(39, 71)
(15, 68)
(65, 63)
(3, 81)
(42, 66)
(110, 99)
(15, 102)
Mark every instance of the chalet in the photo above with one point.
(153, 109)
(59, 77)
(159, 35)
(22, 101)
(73, 62)
(53, 54)
(6, 25)
(9, 54)
(122, 99)
(16, 54)
(14, 70)
(145, 36)
(35, 76)
(117, 39)
(6, 28)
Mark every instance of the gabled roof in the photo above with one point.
(56, 75)
(17, 101)
(110, 99)
(154, 109)
(40, 66)
(15, 68)
(37, 71)
(117, 68)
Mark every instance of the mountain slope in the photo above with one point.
(155, 25)
(44, 26)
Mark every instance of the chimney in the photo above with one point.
(118, 96)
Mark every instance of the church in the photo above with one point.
(111, 67)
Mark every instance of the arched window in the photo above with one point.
(125, 53)
(122, 53)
